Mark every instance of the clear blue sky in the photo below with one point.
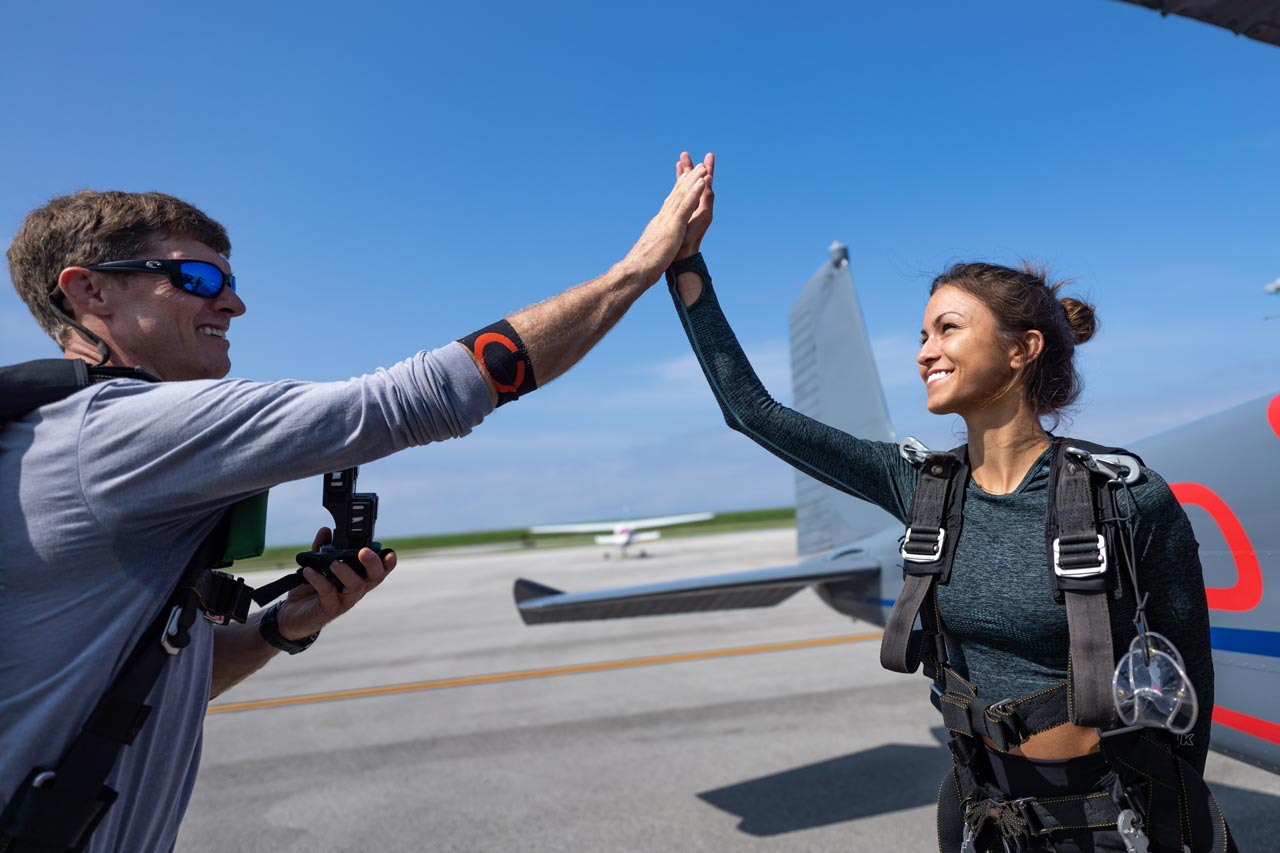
(394, 175)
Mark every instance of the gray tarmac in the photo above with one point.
(452, 726)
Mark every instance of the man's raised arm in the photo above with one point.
(552, 336)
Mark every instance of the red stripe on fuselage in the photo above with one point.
(1246, 592)
(1264, 729)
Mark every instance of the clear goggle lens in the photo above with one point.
(1152, 688)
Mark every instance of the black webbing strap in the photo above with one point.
(927, 550)
(901, 646)
(57, 809)
(1007, 723)
(1026, 822)
(1081, 574)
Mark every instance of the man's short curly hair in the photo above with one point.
(90, 227)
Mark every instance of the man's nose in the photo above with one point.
(229, 302)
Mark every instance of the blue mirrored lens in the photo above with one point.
(204, 279)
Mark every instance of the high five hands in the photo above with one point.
(677, 230)
(700, 219)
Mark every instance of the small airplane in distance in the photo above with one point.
(1274, 287)
(625, 533)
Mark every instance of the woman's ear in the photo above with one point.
(1028, 348)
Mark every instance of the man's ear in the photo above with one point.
(82, 292)
(1027, 349)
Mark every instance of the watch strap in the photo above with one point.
(269, 628)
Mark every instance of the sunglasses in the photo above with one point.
(199, 277)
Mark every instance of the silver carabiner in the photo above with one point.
(1129, 825)
(1114, 466)
(913, 450)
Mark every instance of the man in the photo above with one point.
(110, 491)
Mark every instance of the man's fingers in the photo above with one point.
(352, 583)
(325, 591)
(373, 566)
(689, 203)
(688, 186)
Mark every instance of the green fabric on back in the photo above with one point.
(246, 528)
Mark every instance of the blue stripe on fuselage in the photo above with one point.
(1265, 643)
(1244, 640)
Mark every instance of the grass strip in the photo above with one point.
(282, 556)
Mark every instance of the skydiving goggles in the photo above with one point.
(1152, 688)
(197, 277)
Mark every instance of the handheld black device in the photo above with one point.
(354, 514)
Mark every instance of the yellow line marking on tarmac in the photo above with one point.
(548, 672)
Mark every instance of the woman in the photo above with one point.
(997, 349)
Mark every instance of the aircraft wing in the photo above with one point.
(633, 524)
(669, 520)
(1256, 19)
(539, 604)
(585, 527)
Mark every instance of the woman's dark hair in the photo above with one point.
(1022, 300)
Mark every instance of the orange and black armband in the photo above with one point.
(501, 354)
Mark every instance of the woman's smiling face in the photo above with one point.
(964, 361)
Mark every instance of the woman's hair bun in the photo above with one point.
(1080, 317)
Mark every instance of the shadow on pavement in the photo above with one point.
(876, 781)
(1254, 817)
(899, 776)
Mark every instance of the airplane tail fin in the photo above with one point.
(834, 379)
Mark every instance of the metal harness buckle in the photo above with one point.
(175, 638)
(923, 539)
(1080, 571)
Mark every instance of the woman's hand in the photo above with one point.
(700, 221)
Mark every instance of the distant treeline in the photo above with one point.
(724, 522)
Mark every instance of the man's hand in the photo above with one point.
(310, 607)
(239, 650)
(662, 238)
(700, 220)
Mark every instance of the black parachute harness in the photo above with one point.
(57, 808)
(1087, 539)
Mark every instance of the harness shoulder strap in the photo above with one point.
(928, 548)
(27, 386)
(1080, 538)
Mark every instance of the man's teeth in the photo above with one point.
(934, 377)
(210, 330)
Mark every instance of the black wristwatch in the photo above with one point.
(269, 628)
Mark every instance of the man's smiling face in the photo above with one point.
(167, 332)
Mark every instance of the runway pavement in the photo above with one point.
(431, 718)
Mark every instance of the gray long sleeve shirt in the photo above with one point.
(1005, 633)
(108, 492)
